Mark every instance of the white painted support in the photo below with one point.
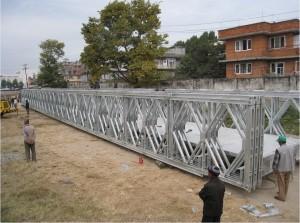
(117, 125)
(179, 147)
(242, 134)
(216, 152)
(188, 142)
(102, 127)
(113, 127)
(195, 117)
(212, 154)
(183, 145)
(68, 115)
(154, 136)
(82, 122)
(134, 131)
(131, 135)
(150, 139)
(295, 104)
(105, 124)
(161, 112)
(90, 121)
(222, 152)
(158, 134)
(93, 118)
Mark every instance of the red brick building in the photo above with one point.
(262, 49)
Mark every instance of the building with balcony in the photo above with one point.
(167, 63)
(170, 60)
(262, 49)
(32, 81)
(76, 74)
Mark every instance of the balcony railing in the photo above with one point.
(166, 67)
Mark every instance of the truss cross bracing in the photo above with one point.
(184, 129)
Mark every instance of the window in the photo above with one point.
(171, 63)
(237, 68)
(241, 45)
(277, 42)
(297, 67)
(296, 41)
(277, 68)
(160, 62)
(243, 68)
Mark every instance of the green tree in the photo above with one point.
(15, 83)
(124, 41)
(202, 57)
(3, 83)
(179, 43)
(20, 84)
(50, 64)
(8, 84)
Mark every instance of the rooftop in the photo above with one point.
(261, 28)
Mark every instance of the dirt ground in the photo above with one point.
(79, 177)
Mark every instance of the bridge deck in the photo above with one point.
(232, 143)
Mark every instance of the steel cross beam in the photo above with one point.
(175, 127)
(276, 104)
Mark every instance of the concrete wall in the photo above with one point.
(264, 83)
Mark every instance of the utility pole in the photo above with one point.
(25, 67)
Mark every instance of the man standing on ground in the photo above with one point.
(12, 103)
(29, 141)
(212, 195)
(27, 106)
(16, 105)
(283, 166)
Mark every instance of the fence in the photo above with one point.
(285, 83)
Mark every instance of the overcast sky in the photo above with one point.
(25, 23)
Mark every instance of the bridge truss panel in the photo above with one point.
(163, 126)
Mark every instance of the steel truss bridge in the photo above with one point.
(183, 128)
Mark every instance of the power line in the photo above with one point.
(25, 67)
(231, 20)
(190, 31)
(194, 30)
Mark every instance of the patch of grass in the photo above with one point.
(35, 194)
(228, 121)
(27, 196)
(290, 121)
(12, 147)
(43, 204)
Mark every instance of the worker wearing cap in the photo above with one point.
(212, 195)
(283, 166)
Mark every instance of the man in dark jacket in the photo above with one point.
(27, 106)
(212, 195)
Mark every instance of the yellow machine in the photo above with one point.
(5, 107)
